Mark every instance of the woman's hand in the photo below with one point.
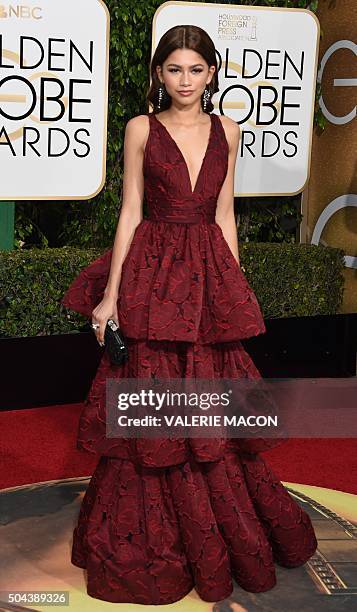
(106, 309)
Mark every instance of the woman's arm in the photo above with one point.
(131, 214)
(225, 203)
(136, 133)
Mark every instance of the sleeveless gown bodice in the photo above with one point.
(179, 279)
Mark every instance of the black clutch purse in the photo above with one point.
(115, 343)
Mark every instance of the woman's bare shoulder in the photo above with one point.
(229, 124)
(231, 129)
(137, 123)
(137, 129)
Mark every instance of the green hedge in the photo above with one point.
(288, 279)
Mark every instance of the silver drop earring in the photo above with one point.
(161, 95)
(206, 97)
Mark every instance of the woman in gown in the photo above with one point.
(161, 517)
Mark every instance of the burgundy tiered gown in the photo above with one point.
(161, 517)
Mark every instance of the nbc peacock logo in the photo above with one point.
(20, 11)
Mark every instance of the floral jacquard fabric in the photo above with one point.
(179, 279)
(163, 516)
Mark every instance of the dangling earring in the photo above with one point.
(161, 95)
(206, 97)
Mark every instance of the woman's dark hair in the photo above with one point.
(181, 37)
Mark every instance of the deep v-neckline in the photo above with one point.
(194, 190)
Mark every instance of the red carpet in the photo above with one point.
(40, 444)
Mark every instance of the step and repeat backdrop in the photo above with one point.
(54, 58)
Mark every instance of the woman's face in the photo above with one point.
(185, 70)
